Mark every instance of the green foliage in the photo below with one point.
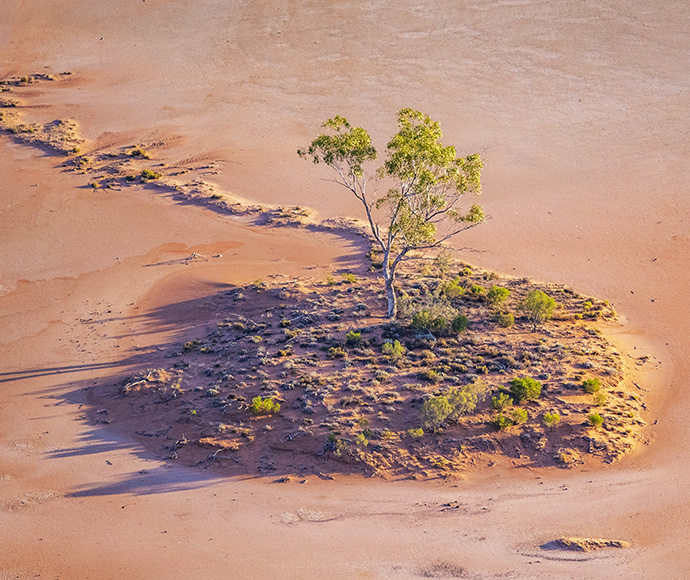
(537, 307)
(430, 179)
(150, 175)
(464, 400)
(501, 401)
(459, 323)
(497, 295)
(595, 420)
(591, 386)
(504, 319)
(434, 412)
(551, 420)
(265, 406)
(501, 422)
(349, 277)
(415, 433)
(519, 416)
(353, 338)
(394, 350)
(525, 389)
(477, 290)
(361, 440)
(426, 320)
(453, 289)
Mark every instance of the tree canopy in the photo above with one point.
(421, 209)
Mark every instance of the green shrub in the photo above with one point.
(537, 307)
(148, 174)
(415, 433)
(500, 422)
(519, 416)
(464, 400)
(453, 289)
(551, 419)
(501, 401)
(434, 412)
(353, 338)
(596, 420)
(477, 290)
(591, 386)
(525, 389)
(425, 320)
(394, 350)
(497, 295)
(361, 440)
(504, 319)
(349, 277)
(265, 406)
(459, 324)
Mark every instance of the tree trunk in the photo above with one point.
(392, 298)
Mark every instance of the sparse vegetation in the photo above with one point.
(149, 175)
(387, 395)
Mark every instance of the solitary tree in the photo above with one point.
(537, 307)
(422, 209)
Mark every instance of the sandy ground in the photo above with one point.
(580, 112)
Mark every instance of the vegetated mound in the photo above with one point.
(288, 376)
(587, 544)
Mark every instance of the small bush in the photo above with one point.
(464, 400)
(353, 338)
(551, 420)
(415, 433)
(519, 416)
(265, 406)
(139, 152)
(537, 307)
(504, 319)
(525, 389)
(501, 422)
(501, 401)
(453, 289)
(434, 412)
(394, 350)
(349, 277)
(477, 290)
(497, 295)
(336, 352)
(425, 320)
(459, 324)
(150, 175)
(591, 386)
(430, 376)
(596, 420)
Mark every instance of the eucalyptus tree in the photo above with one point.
(422, 207)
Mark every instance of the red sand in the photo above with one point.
(580, 112)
